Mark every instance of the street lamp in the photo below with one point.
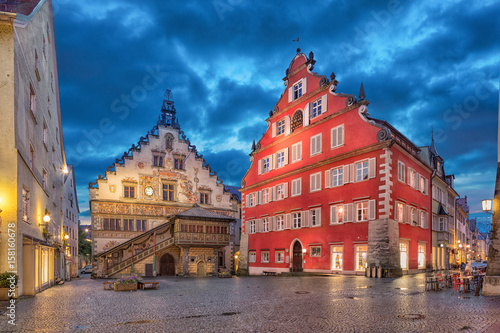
(487, 203)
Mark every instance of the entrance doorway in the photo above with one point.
(297, 257)
(201, 269)
(167, 265)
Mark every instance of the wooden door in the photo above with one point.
(201, 270)
(297, 257)
(167, 265)
(149, 269)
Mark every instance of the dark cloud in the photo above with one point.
(423, 64)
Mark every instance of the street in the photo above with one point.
(257, 304)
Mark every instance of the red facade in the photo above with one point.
(327, 189)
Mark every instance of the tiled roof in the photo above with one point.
(199, 212)
(24, 7)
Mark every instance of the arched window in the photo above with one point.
(297, 120)
(169, 141)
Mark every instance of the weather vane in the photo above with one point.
(297, 40)
(168, 94)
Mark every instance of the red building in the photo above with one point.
(331, 189)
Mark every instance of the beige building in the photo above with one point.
(156, 179)
(70, 228)
(33, 164)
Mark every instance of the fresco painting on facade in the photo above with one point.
(160, 177)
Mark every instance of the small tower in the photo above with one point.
(168, 112)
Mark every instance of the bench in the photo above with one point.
(110, 285)
(148, 285)
(269, 273)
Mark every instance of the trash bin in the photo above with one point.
(367, 272)
(379, 272)
(374, 271)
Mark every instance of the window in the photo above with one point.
(128, 225)
(26, 200)
(421, 256)
(423, 220)
(281, 191)
(315, 217)
(297, 90)
(140, 225)
(129, 191)
(361, 171)
(44, 180)
(296, 187)
(337, 177)
(205, 198)
(412, 178)
(279, 222)
(266, 165)
(316, 108)
(280, 128)
(337, 136)
(265, 225)
(252, 256)
(251, 200)
(297, 120)
(158, 160)
(337, 258)
(32, 157)
(169, 192)
(361, 254)
(362, 211)
(264, 256)
(280, 257)
(315, 251)
(32, 99)
(297, 152)
(414, 216)
(179, 163)
(316, 144)
(400, 209)
(265, 196)
(252, 227)
(336, 214)
(404, 255)
(280, 161)
(315, 182)
(401, 171)
(423, 185)
(441, 224)
(297, 220)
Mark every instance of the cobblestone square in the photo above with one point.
(257, 304)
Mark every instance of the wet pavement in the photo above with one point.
(257, 304)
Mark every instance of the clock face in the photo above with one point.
(148, 191)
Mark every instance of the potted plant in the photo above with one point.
(127, 283)
(8, 286)
(225, 274)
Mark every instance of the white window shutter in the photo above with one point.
(346, 174)
(275, 190)
(318, 181)
(352, 175)
(257, 198)
(372, 210)
(286, 190)
(311, 183)
(294, 187)
(290, 94)
(287, 221)
(426, 186)
(287, 125)
(334, 137)
(350, 212)
(286, 156)
(340, 135)
(305, 219)
(318, 217)
(318, 143)
(408, 176)
(306, 115)
(270, 193)
(274, 129)
(407, 214)
(333, 214)
(426, 222)
(327, 178)
(395, 211)
(272, 160)
(246, 199)
(259, 165)
(299, 186)
(324, 103)
(299, 151)
(312, 145)
(372, 166)
(304, 86)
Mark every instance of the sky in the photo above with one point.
(423, 64)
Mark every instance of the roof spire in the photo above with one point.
(168, 112)
(432, 148)
(362, 94)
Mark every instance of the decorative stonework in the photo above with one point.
(112, 188)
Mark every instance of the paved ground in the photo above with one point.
(257, 304)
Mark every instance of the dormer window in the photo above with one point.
(280, 129)
(297, 90)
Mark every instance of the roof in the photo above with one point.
(234, 190)
(442, 210)
(198, 212)
(24, 7)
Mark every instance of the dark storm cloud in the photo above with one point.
(423, 64)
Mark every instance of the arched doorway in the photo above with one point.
(297, 257)
(167, 265)
(201, 269)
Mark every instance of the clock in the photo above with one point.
(148, 191)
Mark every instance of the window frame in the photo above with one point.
(297, 90)
(313, 143)
(280, 126)
(316, 110)
(252, 256)
(364, 176)
(297, 220)
(169, 191)
(315, 216)
(359, 250)
(335, 250)
(316, 182)
(276, 259)
(280, 222)
(364, 210)
(129, 191)
(339, 177)
(311, 252)
(265, 224)
(401, 172)
(252, 226)
(298, 192)
(297, 150)
(334, 133)
(264, 257)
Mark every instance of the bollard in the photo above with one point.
(374, 271)
(366, 272)
(379, 272)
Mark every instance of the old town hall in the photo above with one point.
(161, 210)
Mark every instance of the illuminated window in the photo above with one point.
(421, 256)
(315, 251)
(400, 208)
(336, 214)
(26, 200)
(404, 255)
(361, 254)
(337, 258)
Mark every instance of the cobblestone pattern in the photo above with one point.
(257, 304)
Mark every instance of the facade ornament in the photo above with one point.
(253, 145)
(323, 81)
(350, 100)
(362, 94)
(275, 109)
